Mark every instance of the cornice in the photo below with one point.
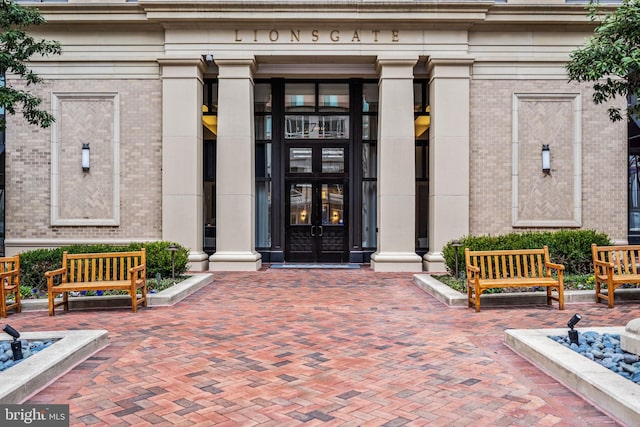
(406, 12)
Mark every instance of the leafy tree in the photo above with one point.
(16, 47)
(611, 58)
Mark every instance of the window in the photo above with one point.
(422, 117)
(210, 131)
(263, 107)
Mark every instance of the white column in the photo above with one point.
(182, 192)
(235, 176)
(396, 168)
(448, 156)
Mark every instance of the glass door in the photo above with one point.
(316, 226)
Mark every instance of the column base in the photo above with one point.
(198, 261)
(433, 262)
(235, 261)
(396, 262)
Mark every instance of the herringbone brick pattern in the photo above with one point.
(316, 347)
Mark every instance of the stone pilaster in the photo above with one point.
(182, 184)
(235, 179)
(448, 155)
(396, 168)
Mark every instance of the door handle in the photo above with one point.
(320, 227)
(312, 233)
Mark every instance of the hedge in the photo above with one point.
(572, 248)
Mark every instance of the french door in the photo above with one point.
(316, 190)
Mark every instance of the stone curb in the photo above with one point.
(23, 380)
(167, 297)
(453, 298)
(613, 394)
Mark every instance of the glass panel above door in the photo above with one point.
(333, 97)
(299, 97)
(316, 127)
(332, 160)
(300, 160)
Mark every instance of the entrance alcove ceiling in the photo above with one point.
(315, 66)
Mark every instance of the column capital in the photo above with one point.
(234, 66)
(452, 67)
(397, 67)
(182, 67)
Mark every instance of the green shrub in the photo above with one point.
(572, 248)
(159, 259)
(33, 264)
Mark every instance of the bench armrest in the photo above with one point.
(554, 266)
(473, 269)
(473, 275)
(53, 273)
(602, 264)
(603, 267)
(9, 273)
(137, 268)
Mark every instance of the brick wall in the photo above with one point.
(28, 188)
(604, 160)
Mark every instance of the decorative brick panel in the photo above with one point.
(547, 199)
(85, 197)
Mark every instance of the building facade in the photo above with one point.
(313, 131)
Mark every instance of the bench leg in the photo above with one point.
(52, 307)
(65, 300)
(18, 301)
(611, 295)
(561, 297)
(134, 299)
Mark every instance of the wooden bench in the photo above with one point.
(512, 269)
(99, 271)
(614, 266)
(10, 284)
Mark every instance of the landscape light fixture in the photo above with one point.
(86, 162)
(546, 158)
(173, 248)
(16, 345)
(573, 334)
(456, 244)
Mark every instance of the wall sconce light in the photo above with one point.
(303, 215)
(86, 162)
(16, 345)
(546, 158)
(209, 58)
(573, 334)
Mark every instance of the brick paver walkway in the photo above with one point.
(316, 347)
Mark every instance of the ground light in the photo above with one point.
(573, 334)
(16, 345)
